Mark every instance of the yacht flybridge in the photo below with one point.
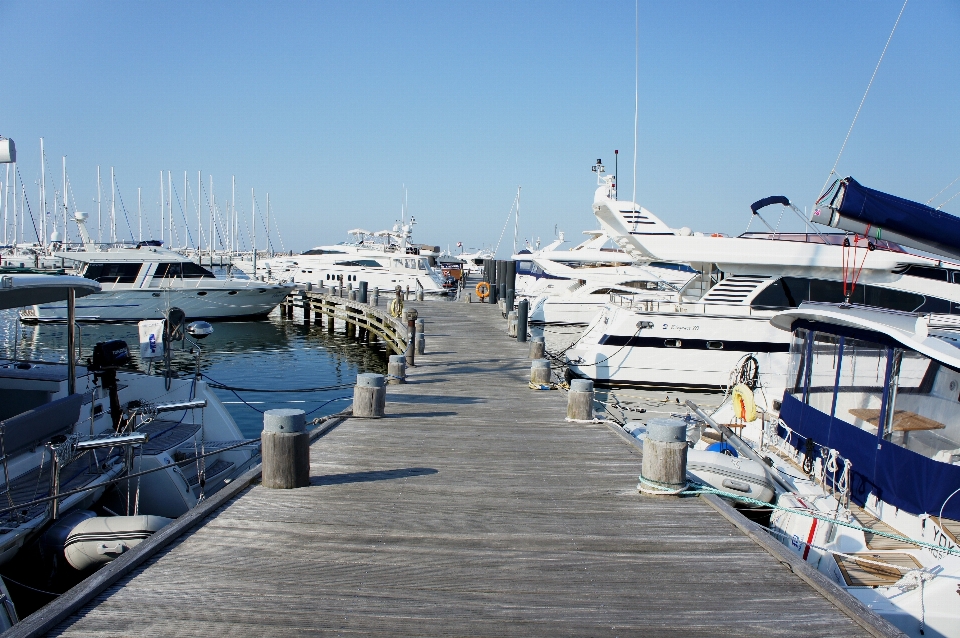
(384, 259)
(722, 314)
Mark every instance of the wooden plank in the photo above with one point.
(864, 570)
(903, 420)
(472, 508)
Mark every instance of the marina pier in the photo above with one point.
(472, 508)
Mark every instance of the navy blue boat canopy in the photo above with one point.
(850, 206)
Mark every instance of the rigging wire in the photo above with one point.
(864, 98)
(943, 189)
(507, 221)
(636, 93)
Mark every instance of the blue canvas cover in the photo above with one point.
(884, 212)
(896, 475)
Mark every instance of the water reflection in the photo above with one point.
(269, 354)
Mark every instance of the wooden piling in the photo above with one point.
(537, 348)
(369, 396)
(397, 369)
(540, 371)
(285, 449)
(664, 457)
(580, 400)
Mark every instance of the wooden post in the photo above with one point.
(285, 449)
(580, 400)
(419, 294)
(537, 347)
(362, 292)
(421, 337)
(540, 371)
(664, 457)
(376, 296)
(306, 309)
(369, 396)
(522, 311)
(397, 369)
(411, 336)
(512, 324)
(330, 322)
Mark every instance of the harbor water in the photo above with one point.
(274, 363)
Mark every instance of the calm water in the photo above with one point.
(270, 354)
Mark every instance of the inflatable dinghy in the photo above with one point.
(733, 474)
(100, 540)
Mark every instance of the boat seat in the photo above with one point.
(858, 573)
(29, 429)
(167, 435)
(875, 542)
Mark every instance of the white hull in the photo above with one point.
(214, 299)
(679, 350)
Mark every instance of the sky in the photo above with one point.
(335, 108)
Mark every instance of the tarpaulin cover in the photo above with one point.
(898, 215)
(896, 475)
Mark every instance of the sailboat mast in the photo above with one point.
(269, 246)
(140, 212)
(65, 229)
(163, 204)
(6, 204)
(99, 210)
(199, 223)
(212, 201)
(253, 224)
(169, 205)
(516, 223)
(113, 206)
(43, 197)
(233, 214)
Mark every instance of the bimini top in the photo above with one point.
(28, 289)
(850, 206)
(906, 329)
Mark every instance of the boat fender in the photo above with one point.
(483, 290)
(396, 307)
(744, 406)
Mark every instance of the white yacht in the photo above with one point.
(384, 259)
(865, 449)
(722, 314)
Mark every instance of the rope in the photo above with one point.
(864, 99)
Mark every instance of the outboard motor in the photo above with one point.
(108, 356)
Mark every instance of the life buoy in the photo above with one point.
(396, 307)
(483, 290)
(744, 407)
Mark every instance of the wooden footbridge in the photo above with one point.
(472, 508)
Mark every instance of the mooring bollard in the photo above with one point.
(419, 294)
(376, 296)
(411, 336)
(522, 311)
(512, 324)
(362, 294)
(285, 449)
(540, 371)
(352, 295)
(308, 286)
(510, 298)
(580, 400)
(537, 347)
(397, 369)
(369, 396)
(664, 457)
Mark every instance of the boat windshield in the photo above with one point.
(872, 385)
(115, 273)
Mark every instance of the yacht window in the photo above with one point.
(184, 270)
(369, 263)
(421, 264)
(940, 274)
(790, 292)
(118, 273)
(319, 251)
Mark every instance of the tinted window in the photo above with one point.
(370, 263)
(112, 273)
(185, 270)
(939, 274)
(790, 292)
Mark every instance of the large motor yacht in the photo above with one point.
(384, 259)
(722, 314)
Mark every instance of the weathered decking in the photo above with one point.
(474, 509)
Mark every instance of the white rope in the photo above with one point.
(943, 189)
(507, 221)
(864, 99)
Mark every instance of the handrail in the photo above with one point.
(390, 329)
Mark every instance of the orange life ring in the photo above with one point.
(483, 290)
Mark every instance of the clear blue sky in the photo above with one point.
(332, 107)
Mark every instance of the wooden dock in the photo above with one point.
(472, 509)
